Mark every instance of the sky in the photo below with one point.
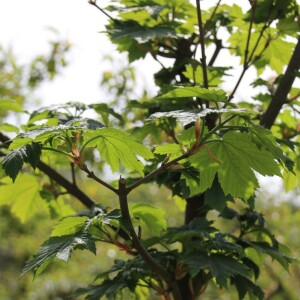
(23, 26)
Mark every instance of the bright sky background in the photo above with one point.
(23, 26)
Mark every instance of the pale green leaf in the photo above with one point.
(195, 91)
(23, 196)
(239, 157)
(8, 128)
(70, 225)
(173, 150)
(10, 105)
(153, 217)
(116, 147)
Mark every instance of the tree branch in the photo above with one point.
(157, 171)
(212, 15)
(70, 187)
(219, 46)
(284, 87)
(143, 252)
(92, 175)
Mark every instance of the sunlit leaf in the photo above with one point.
(23, 196)
(116, 147)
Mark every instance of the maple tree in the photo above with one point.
(192, 138)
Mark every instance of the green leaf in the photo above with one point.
(174, 150)
(278, 54)
(195, 91)
(10, 105)
(186, 117)
(222, 267)
(8, 128)
(197, 228)
(61, 248)
(245, 285)
(23, 196)
(68, 226)
(239, 156)
(215, 197)
(116, 146)
(288, 26)
(207, 164)
(104, 110)
(153, 217)
(13, 162)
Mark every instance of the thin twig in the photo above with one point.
(92, 175)
(249, 37)
(94, 3)
(212, 15)
(246, 67)
(201, 35)
(157, 171)
(143, 252)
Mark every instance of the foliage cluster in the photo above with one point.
(193, 138)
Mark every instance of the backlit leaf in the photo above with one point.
(23, 196)
(116, 146)
(153, 217)
(239, 156)
(70, 225)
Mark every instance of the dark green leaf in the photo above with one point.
(221, 267)
(13, 162)
(133, 30)
(61, 248)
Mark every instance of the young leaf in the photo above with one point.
(116, 146)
